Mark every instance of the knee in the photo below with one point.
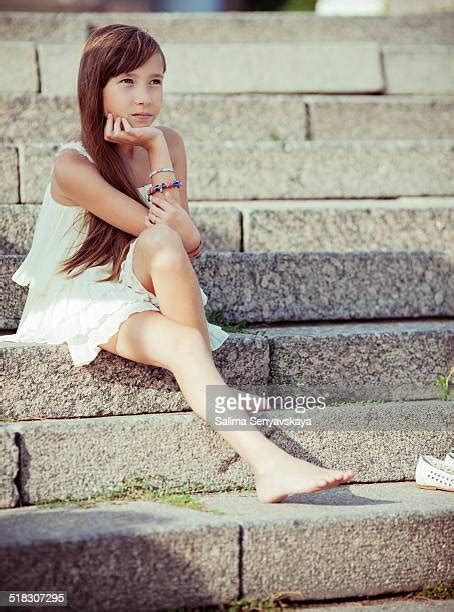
(162, 245)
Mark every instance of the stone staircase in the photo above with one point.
(338, 273)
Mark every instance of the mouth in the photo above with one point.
(142, 115)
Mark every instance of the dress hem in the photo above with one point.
(111, 325)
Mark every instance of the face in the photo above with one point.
(140, 92)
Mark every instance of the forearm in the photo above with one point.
(159, 157)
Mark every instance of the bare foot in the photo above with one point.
(290, 475)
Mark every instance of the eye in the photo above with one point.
(154, 80)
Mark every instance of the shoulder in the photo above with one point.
(67, 169)
(68, 157)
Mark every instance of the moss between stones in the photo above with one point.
(136, 488)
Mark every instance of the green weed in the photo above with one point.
(137, 488)
(446, 392)
(217, 317)
(443, 590)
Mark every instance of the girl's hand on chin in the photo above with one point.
(121, 132)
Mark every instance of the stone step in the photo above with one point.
(403, 224)
(363, 169)
(290, 286)
(405, 602)
(47, 118)
(49, 459)
(365, 540)
(167, 556)
(232, 26)
(403, 362)
(402, 7)
(377, 360)
(368, 554)
(268, 67)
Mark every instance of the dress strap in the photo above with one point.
(78, 146)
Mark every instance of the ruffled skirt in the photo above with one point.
(84, 313)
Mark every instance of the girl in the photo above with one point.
(106, 273)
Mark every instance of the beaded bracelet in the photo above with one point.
(162, 186)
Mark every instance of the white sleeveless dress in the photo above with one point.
(78, 311)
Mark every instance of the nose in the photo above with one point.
(142, 96)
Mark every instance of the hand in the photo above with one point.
(165, 209)
(121, 132)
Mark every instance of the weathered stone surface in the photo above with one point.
(320, 170)
(289, 286)
(386, 117)
(111, 385)
(92, 455)
(9, 167)
(352, 540)
(55, 118)
(403, 359)
(54, 59)
(388, 603)
(278, 67)
(219, 226)
(36, 164)
(28, 118)
(233, 26)
(96, 454)
(404, 224)
(32, 117)
(49, 26)
(419, 70)
(403, 7)
(386, 528)
(312, 170)
(167, 556)
(275, 67)
(9, 461)
(18, 66)
(382, 360)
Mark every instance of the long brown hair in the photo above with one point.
(109, 51)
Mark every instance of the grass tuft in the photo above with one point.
(446, 387)
(152, 488)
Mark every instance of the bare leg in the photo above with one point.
(277, 474)
(158, 338)
(161, 264)
(189, 310)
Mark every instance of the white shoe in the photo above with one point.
(449, 460)
(432, 473)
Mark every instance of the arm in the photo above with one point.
(181, 169)
(178, 153)
(159, 157)
(81, 182)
